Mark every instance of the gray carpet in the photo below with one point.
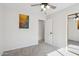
(73, 42)
(38, 50)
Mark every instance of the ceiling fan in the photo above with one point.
(44, 6)
(76, 16)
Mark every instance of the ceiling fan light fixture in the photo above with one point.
(47, 6)
(42, 6)
(44, 9)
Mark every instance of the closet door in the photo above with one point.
(49, 31)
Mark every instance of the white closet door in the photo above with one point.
(49, 31)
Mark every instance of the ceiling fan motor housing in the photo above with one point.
(45, 4)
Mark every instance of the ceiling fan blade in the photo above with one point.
(53, 7)
(73, 14)
(36, 5)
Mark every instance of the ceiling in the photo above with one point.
(59, 6)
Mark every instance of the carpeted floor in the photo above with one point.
(38, 50)
(73, 42)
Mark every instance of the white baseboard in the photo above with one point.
(21, 46)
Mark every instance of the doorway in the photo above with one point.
(73, 34)
(73, 31)
(41, 31)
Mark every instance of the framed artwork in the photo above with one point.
(77, 24)
(23, 21)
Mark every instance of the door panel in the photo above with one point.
(48, 31)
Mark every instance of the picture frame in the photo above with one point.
(23, 21)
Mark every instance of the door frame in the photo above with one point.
(39, 30)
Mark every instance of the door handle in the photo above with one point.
(51, 33)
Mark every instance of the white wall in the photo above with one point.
(59, 29)
(73, 31)
(60, 25)
(57, 26)
(1, 28)
(18, 38)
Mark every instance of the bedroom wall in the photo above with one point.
(18, 38)
(1, 28)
